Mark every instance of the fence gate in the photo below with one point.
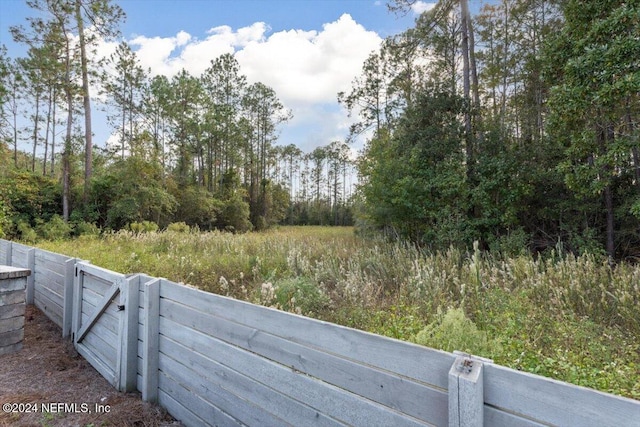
(105, 323)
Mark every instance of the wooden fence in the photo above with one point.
(212, 360)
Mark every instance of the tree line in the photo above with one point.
(195, 149)
(516, 128)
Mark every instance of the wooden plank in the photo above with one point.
(399, 393)
(105, 370)
(50, 294)
(150, 338)
(77, 303)
(5, 252)
(102, 306)
(203, 374)
(128, 332)
(410, 360)
(325, 398)
(210, 401)
(103, 274)
(179, 412)
(52, 310)
(496, 418)
(548, 401)
(67, 315)
(31, 261)
(102, 349)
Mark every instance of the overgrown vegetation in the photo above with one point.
(569, 317)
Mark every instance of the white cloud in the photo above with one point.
(421, 7)
(305, 68)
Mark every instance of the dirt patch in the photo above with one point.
(60, 388)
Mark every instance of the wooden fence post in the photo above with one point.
(31, 265)
(67, 297)
(8, 254)
(151, 336)
(128, 328)
(466, 392)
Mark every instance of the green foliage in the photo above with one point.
(301, 296)
(143, 227)
(453, 330)
(54, 229)
(26, 232)
(178, 227)
(29, 197)
(83, 228)
(415, 180)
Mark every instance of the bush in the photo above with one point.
(300, 296)
(84, 228)
(54, 229)
(27, 234)
(143, 227)
(179, 227)
(455, 331)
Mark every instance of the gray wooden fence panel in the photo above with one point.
(400, 393)
(97, 338)
(19, 255)
(421, 363)
(51, 284)
(5, 252)
(552, 402)
(300, 363)
(218, 376)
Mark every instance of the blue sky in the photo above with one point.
(307, 50)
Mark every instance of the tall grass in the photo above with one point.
(570, 318)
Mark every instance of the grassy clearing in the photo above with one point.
(573, 319)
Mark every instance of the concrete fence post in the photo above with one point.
(8, 254)
(31, 280)
(466, 391)
(150, 338)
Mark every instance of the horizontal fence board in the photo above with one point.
(98, 363)
(108, 319)
(45, 273)
(396, 392)
(178, 411)
(51, 294)
(19, 255)
(413, 361)
(96, 285)
(105, 330)
(102, 274)
(295, 412)
(52, 310)
(553, 402)
(496, 418)
(325, 398)
(208, 399)
(192, 402)
(101, 348)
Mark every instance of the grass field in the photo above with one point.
(573, 319)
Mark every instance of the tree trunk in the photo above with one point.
(88, 151)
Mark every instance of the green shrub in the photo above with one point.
(84, 228)
(455, 331)
(27, 234)
(301, 296)
(54, 229)
(143, 227)
(178, 227)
